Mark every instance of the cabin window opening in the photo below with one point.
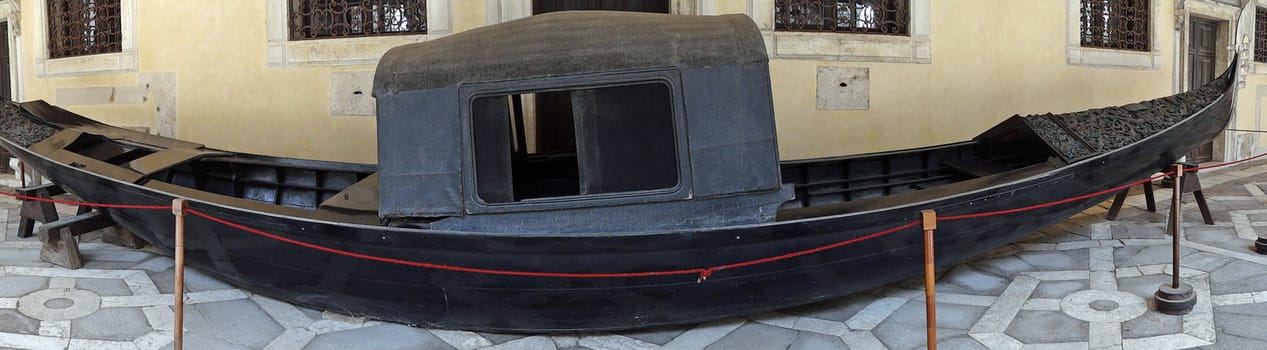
(886, 17)
(84, 27)
(1260, 34)
(578, 142)
(324, 19)
(1115, 24)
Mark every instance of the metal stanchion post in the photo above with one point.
(1176, 297)
(930, 277)
(178, 209)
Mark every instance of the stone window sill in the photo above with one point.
(849, 47)
(92, 64)
(349, 51)
(1114, 59)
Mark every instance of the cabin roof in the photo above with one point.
(570, 42)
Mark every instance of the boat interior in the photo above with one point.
(822, 184)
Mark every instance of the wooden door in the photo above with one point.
(6, 89)
(1202, 43)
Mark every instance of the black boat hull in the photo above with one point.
(489, 302)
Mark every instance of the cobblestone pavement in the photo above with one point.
(1083, 283)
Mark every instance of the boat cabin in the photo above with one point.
(647, 122)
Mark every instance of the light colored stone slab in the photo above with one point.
(153, 340)
(329, 326)
(565, 341)
(607, 342)
(999, 315)
(1105, 335)
(1103, 280)
(843, 88)
(56, 329)
(61, 283)
(462, 340)
(862, 340)
(138, 300)
(1100, 231)
(1200, 322)
(60, 272)
(871, 315)
(820, 326)
(350, 93)
(160, 318)
(997, 341)
(287, 315)
(1129, 271)
(703, 335)
(1167, 341)
(1042, 305)
(1144, 241)
(294, 338)
(1102, 259)
(8, 303)
(212, 296)
(1077, 245)
(1254, 258)
(89, 344)
(529, 343)
(34, 342)
(963, 299)
(85, 96)
(776, 319)
(1055, 346)
(1059, 275)
(1037, 246)
(141, 284)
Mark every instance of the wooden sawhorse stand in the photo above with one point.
(61, 246)
(1191, 184)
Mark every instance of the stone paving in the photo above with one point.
(1083, 283)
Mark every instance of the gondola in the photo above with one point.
(533, 176)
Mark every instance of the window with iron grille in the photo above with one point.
(83, 27)
(887, 17)
(1260, 35)
(322, 19)
(1116, 24)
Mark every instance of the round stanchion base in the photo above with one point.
(1261, 246)
(1175, 301)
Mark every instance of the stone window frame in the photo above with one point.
(498, 11)
(1256, 68)
(358, 16)
(10, 16)
(915, 48)
(282, 52)
(1077, 55)
(1260, 35)
(118, 62)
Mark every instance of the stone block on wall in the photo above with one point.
(844, 88)
(350, 93)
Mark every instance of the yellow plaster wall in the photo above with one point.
(227, 96)
(982, 72)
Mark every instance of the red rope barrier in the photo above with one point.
(702, 273)
(1052, 203)
(86, 204)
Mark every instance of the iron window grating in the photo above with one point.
(324, 19)
(1116, 24)
(885, 17)
(84, 27)
(1260, 35)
